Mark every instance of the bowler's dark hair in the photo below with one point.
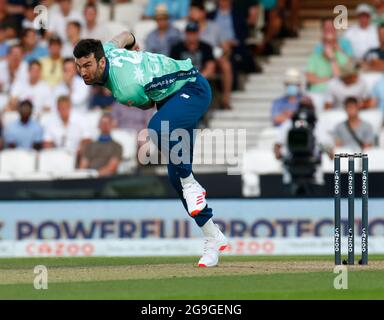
(349, 100)
(86, 47)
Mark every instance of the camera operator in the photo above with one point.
(298, 148)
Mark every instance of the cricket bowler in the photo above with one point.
(181, 95)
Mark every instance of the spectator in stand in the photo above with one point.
(231, 20)
(322, 67)
(4, 46)
(33, 49)
(363, 35)
(29, 16)
(73, 37)
(273, 25)
(349, 84)
(178, 9)
(354, 133)
(378, 12)
(210, 33)
(11, 23)
(284, 107)
(52, 66)
(13, 69)
(343, 44)
(291, 17)
(59, 19)
(34, 89)
(74, 87)
(198, 51)
(103, 155)
(165, 36)
(68, 130)
(25, 132)
(92, 29)
(374, 58)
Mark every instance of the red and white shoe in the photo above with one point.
(194, 195)
(213, 246)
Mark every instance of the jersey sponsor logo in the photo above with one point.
(167, 80)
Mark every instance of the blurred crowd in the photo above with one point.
(343, 74)
(45, 104)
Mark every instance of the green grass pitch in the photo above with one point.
(247, 277)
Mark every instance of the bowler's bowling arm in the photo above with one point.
(125, 40)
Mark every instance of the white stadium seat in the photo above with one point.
(78, 174)
(180, 24)
(46, 117)
(128, 14)
(370, 79)
(93, 119)
(375, 118)
(376, 159)
(114, 28)
(128, 141)
(141, 2)
(9, 117)
(141, 31)
(3, 100)
(55, 161)
(18, 162)
(268, 138)
(261, 161)
(103, 12)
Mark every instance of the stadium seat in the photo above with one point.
(143, 3)
(78, 5)
(114, 28)
(261, 161)
(376, 159)
(45, 118)
(326, 124)
(93, 118)
(33, 176)
(267, 138)
(56, 161)
(128, 141)
(141, 31)
(78, 174)
(18, 162)
(375, 118)
(103, 13)
(6, 177)
(3, 101)
(180, 24)
(128, 14)
(9, 117)
(370, 79)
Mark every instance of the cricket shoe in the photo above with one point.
(213, 246)
(194, 195)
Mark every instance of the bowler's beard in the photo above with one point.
(98, 76)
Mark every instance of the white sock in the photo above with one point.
(189, 179)
(209, 229)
